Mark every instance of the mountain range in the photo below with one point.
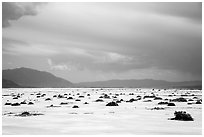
(26, 77)
(142, 83)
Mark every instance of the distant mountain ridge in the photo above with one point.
(141, 83)
(8, 83)
(27, 77)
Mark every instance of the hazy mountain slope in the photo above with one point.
(148, 83)
(9, 84)
(27, 77)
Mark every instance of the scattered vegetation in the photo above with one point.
(198, 102)
(23, 102)
(131, 100)
(99, 100)
(179, 100)
(182, 115)
(52, 106)
(70, 98)
(157, 98)
(151, 96)
(75, 106)
(25, 114)
(163, 103)
(112, 104)
(15, 104)
(30, 103)
(157, 108)
(63, 103)
(171, 104)
(47, 99)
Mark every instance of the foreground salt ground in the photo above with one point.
(137, 117)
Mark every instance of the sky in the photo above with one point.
(103, 41)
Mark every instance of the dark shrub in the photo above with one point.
(179, 100)
(47, 99)
(182, 115)
(30, 103)
(190, 100)
(60, 96)
(86, 103)
(184, 95)
(88, 94)
(163, 103)
(157, 108)
(99, 100)
(15, 104)
(7, 103)
(63, 103)
(54, 96)
(15, 98)
(70, 98)
(43, 95)
(149, 97)
(118, 101)
(81, 96)
(23, 114)
(75, 106)
(106, 96)
(171, 104)
(23, 102)
(131, 100)
(77, 100)
(157, 98)
(198, 102)
(112, 104)
(52, 106)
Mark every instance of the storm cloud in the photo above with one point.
(14, 11)
(99, 41)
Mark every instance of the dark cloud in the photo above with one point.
(188, 10)
(110, 38)
(14, 11)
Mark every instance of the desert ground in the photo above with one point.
(78, 111)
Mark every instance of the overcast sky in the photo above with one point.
(102, 41)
